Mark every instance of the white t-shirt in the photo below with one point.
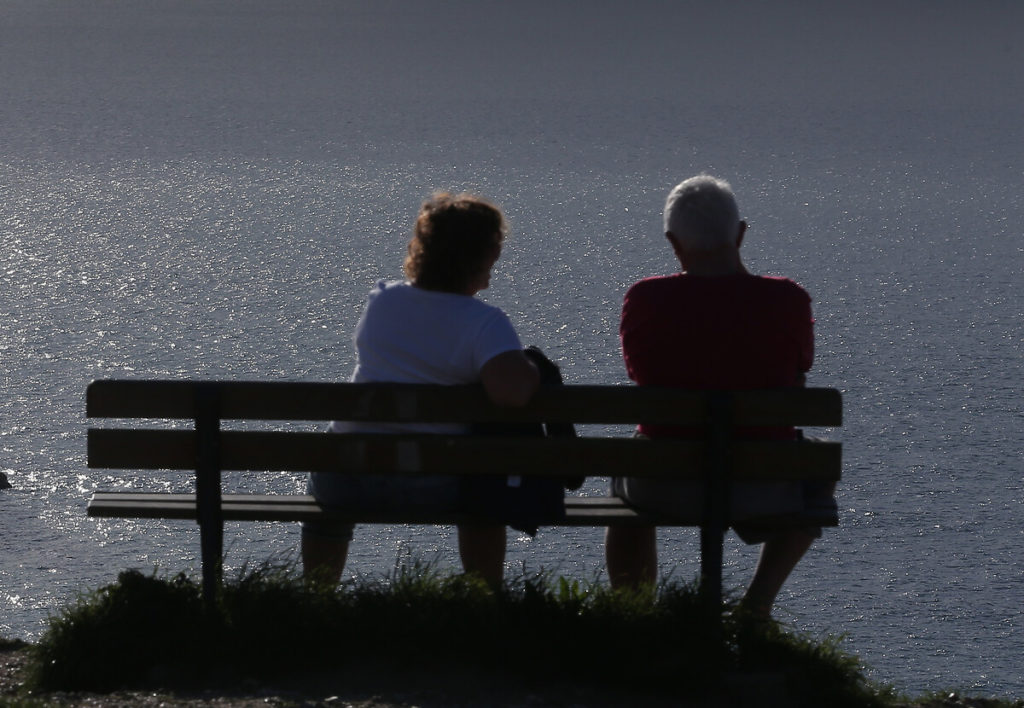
(411, 335)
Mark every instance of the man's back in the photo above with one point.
(719, 332)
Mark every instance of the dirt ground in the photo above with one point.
(361, 691)
(408, 691)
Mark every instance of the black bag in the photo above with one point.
(521, 502)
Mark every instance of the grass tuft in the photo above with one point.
(149, 632)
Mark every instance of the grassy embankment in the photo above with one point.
(149, 632)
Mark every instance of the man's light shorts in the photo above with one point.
(750, 501)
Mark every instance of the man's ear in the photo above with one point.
(676, 248)
(740, 234)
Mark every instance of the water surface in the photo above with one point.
(209, 189)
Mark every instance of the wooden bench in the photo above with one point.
(718, 458)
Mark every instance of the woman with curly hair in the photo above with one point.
(430, 329)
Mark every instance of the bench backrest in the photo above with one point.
(209, 403)
(716, 458)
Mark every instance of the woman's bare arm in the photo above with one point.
(510, 378)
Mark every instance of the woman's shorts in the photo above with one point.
(375, 493)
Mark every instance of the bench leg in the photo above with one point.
(208, 493)
(712, 538)
(211, 539)
(711, 542)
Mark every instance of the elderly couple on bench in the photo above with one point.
(711, 326)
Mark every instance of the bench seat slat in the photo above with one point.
(262, 400)
(580, 511)
(439, 454)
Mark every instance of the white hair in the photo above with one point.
(701, 212)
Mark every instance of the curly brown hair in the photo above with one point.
(456, 238)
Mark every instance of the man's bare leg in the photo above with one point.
(778, 558)
(631, 555)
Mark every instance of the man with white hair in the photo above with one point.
(714, 326)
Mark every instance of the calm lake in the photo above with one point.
(209, 189)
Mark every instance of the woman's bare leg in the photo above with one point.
(631, 554)
(482, 549)
(323, 559)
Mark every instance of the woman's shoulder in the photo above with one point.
(382, 286)
(409, 298)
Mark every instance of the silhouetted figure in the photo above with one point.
(430, 329)
(714, 326)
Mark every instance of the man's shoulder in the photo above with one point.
(764, 283)
(782, 286)
(654, 283)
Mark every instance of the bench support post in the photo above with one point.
(718, 492)
(208, 492)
